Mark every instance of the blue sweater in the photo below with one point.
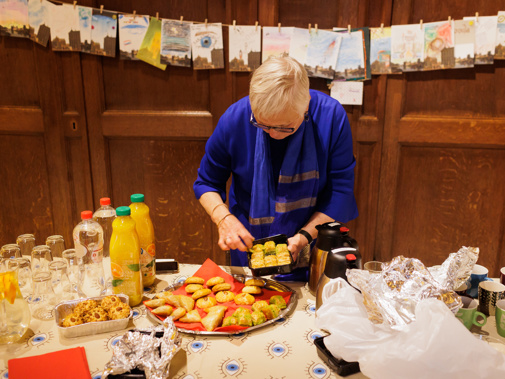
(230, 150)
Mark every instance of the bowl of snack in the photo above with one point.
(270, 256)
(76, 318)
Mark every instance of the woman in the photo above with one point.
(289, 150)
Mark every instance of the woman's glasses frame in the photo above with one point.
(281, 129)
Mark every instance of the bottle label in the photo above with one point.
(126, 277)
(80, 249)
(147, 259)
(97, 254)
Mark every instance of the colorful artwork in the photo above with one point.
(276, 41)
(464, 42)
(14, 18)
(347, 93)
(380, 52)
(207, 46)
(65, 33)
(149, 51)
(299, 44)
(245, 48)
(485, 38)
(322, 53)
(500, 37)
(351, 58)
(38, 19)
(438, 45)
(132, 30)
(85, 15)
(407, 46)
(103, 33)
(175, 43)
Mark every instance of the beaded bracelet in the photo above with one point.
(220, 221)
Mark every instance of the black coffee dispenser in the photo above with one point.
(331, 235)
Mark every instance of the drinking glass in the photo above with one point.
(24, 274)
(73, 270)
(41, 256)
(26, 243)
(14, 311)
(61, 284)
(43, 299)
(11, 250)
(57, 244)
(374, 267)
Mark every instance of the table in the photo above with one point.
(282, 350)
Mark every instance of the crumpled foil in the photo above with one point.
(392, 295)
(143, 350)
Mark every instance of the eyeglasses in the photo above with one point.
(281, 129)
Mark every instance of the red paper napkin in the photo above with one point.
(63, 364)
(209, 270)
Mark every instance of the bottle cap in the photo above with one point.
(123, 211)
(86, 215)
(105, 201)
(344, 229)
(350, 257)
(137, 198)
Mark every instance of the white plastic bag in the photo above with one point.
(435, 345)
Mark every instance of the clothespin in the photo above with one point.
(279, 25)
(421, 24)
(234, 24)
(476, 16)
(182, 18)
(256, 26)
(157, 15)
(205, 23)
(75, 3)
(349, 29)
(101, 9)
(309, 27)
(382, 27)
(315, 27)
(134, 14)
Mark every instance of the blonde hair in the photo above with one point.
(278, 85)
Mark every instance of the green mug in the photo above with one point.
(500, 317)
(469, 315)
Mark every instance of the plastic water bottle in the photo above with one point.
(105, 215)
(88, 241)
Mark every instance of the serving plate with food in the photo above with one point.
(213, 302)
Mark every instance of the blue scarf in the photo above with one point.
(286, 210)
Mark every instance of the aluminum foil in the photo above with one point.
(142, 349)
(392, 296)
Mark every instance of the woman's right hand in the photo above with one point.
(233, 235)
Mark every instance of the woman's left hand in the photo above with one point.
(296, 244)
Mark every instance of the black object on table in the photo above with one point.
(340, 366)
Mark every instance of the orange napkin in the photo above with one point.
(63, 364)
(209, 270)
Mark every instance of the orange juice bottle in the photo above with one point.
(145, 231)
(125, 257)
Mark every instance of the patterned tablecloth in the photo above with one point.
(282, 350)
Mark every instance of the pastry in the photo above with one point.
(206, 302)
(186, 302)
(259, 304)
(71, 320)
(96, 314)
(230, 320)
(279, 301)
(282, 247)
(257, 263)
(178, 313)
(258, 248)
(221, 287)
(270, 260)
(269, 246)
(192, 316)
(191, 288)
(215, 280)
(194, 280)
(258, 317)
(244, 299)
(224, 296)
(172, 300)
(258, 255)
(154, 303)
(164, 310)
(240, 311)
(85, 306)
(201, 293)
(255, 290)
(254, 282)
(214, 318)
(271, 311)
(162, 295)
(109, 302)
(245, 319)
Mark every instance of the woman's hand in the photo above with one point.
(296, 244)
(233, 235)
